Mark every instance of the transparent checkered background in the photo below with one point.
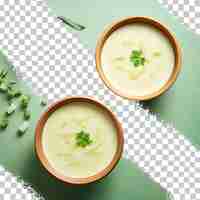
(50, 59)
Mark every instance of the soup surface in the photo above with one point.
(79, 139)
(137, 59)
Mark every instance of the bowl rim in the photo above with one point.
(159, 26)
(43, 159)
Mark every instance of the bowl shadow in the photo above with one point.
(51, 188)
(113, 187)
(159, 105)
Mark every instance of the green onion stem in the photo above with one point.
(72, 24)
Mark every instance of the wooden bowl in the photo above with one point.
(41, 155)
(157, 25)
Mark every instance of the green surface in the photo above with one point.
(126, 182)
(180, 105)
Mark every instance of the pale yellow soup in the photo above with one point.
(60, 144)
(144, 79)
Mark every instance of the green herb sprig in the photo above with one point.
(15, 99)
(12, 93)
(83, 139)
(43, 102)
(3, 122)
(71, 23)
(27, 114)
(24, 101)
(23, 128)
(11, 109)
(137, 58)
(3, 75)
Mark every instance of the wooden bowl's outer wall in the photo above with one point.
(146, 20)
(41, 155)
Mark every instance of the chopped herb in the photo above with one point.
(24, 101)
(137, 58)
(83, 139)
(12, 93)
(8, 87)
(4, 122)
(27, 114)
(11, 109)
(3, 74)
(12, 83)
(23, 128)
(72, 24)
(3, 87)
(43, 102)
(17, 93)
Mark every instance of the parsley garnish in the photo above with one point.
(24, 101)
(43, 102)
(11, 109)
(9, 89)
(3, 87)
(83, 139)
(27, 114)
(137, 58)
(4, 122)
(3, 75)
(23, 128)
(12, 93)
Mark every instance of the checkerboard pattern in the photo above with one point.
(13, 188)
(50, 59)
(187, 10)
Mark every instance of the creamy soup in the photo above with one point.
(137, 59)
(79, 139)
